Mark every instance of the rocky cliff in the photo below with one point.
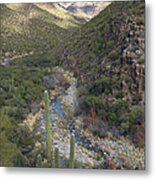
(107, 56)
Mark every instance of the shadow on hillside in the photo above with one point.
(147, 132)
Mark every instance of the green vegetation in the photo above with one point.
(119, 95)
(83, 164)
(102, 55)
(56, 157)
(33, 28)
(96, 52)
(98, 157)
(22, 85)
(39, 161)
(72, 149)
(8, 150)
(133, 117)
(48, 130)
(141, 60)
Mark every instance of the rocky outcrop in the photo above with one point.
(86, 10)
(9, 56)
(107, 57)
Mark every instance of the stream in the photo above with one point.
(102, 153)
(62, 127)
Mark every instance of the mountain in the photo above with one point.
(86, 10)
(23, 26)
(95, 75)
(107, 57)
(27, 29)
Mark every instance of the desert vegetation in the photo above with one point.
(72, 89)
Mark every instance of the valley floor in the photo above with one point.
(90, 151)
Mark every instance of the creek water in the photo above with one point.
(55, 107)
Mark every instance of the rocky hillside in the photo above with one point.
(107, 56)
(86, 10)
(94, 73)
(27, 29)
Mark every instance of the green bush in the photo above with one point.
(119, 95)
(98, 157)
(133, 117)
(8, 150)
(114, 55)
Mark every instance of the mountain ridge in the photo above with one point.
(23, 27)
(107, 57)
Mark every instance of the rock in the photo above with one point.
(43, 127)
(107, 149)
(38, 145)
(90, 164)
(56, 136)
(7, 54)
(139, 52)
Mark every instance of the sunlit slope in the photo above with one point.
(33, 27)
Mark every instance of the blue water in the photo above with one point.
(56, 107)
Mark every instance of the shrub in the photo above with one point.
(133, 117)
(98, 157)
(114, 55)
(119, 95)
(8, 150)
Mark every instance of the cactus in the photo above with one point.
(72, 149)
(48, 130)
(83, 164)
(39, 161)
(56, 157)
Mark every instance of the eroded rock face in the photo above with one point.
(108, 61)
(133, 59)
(133, 83)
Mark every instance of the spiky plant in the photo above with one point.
(72, 149)
(48, 129)
(39, 161)
(56, 157)
(83, 163)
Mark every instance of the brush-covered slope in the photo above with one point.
(30, 28)
(107, 55)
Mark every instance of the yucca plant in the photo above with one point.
(48, 129)
(72, 149)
